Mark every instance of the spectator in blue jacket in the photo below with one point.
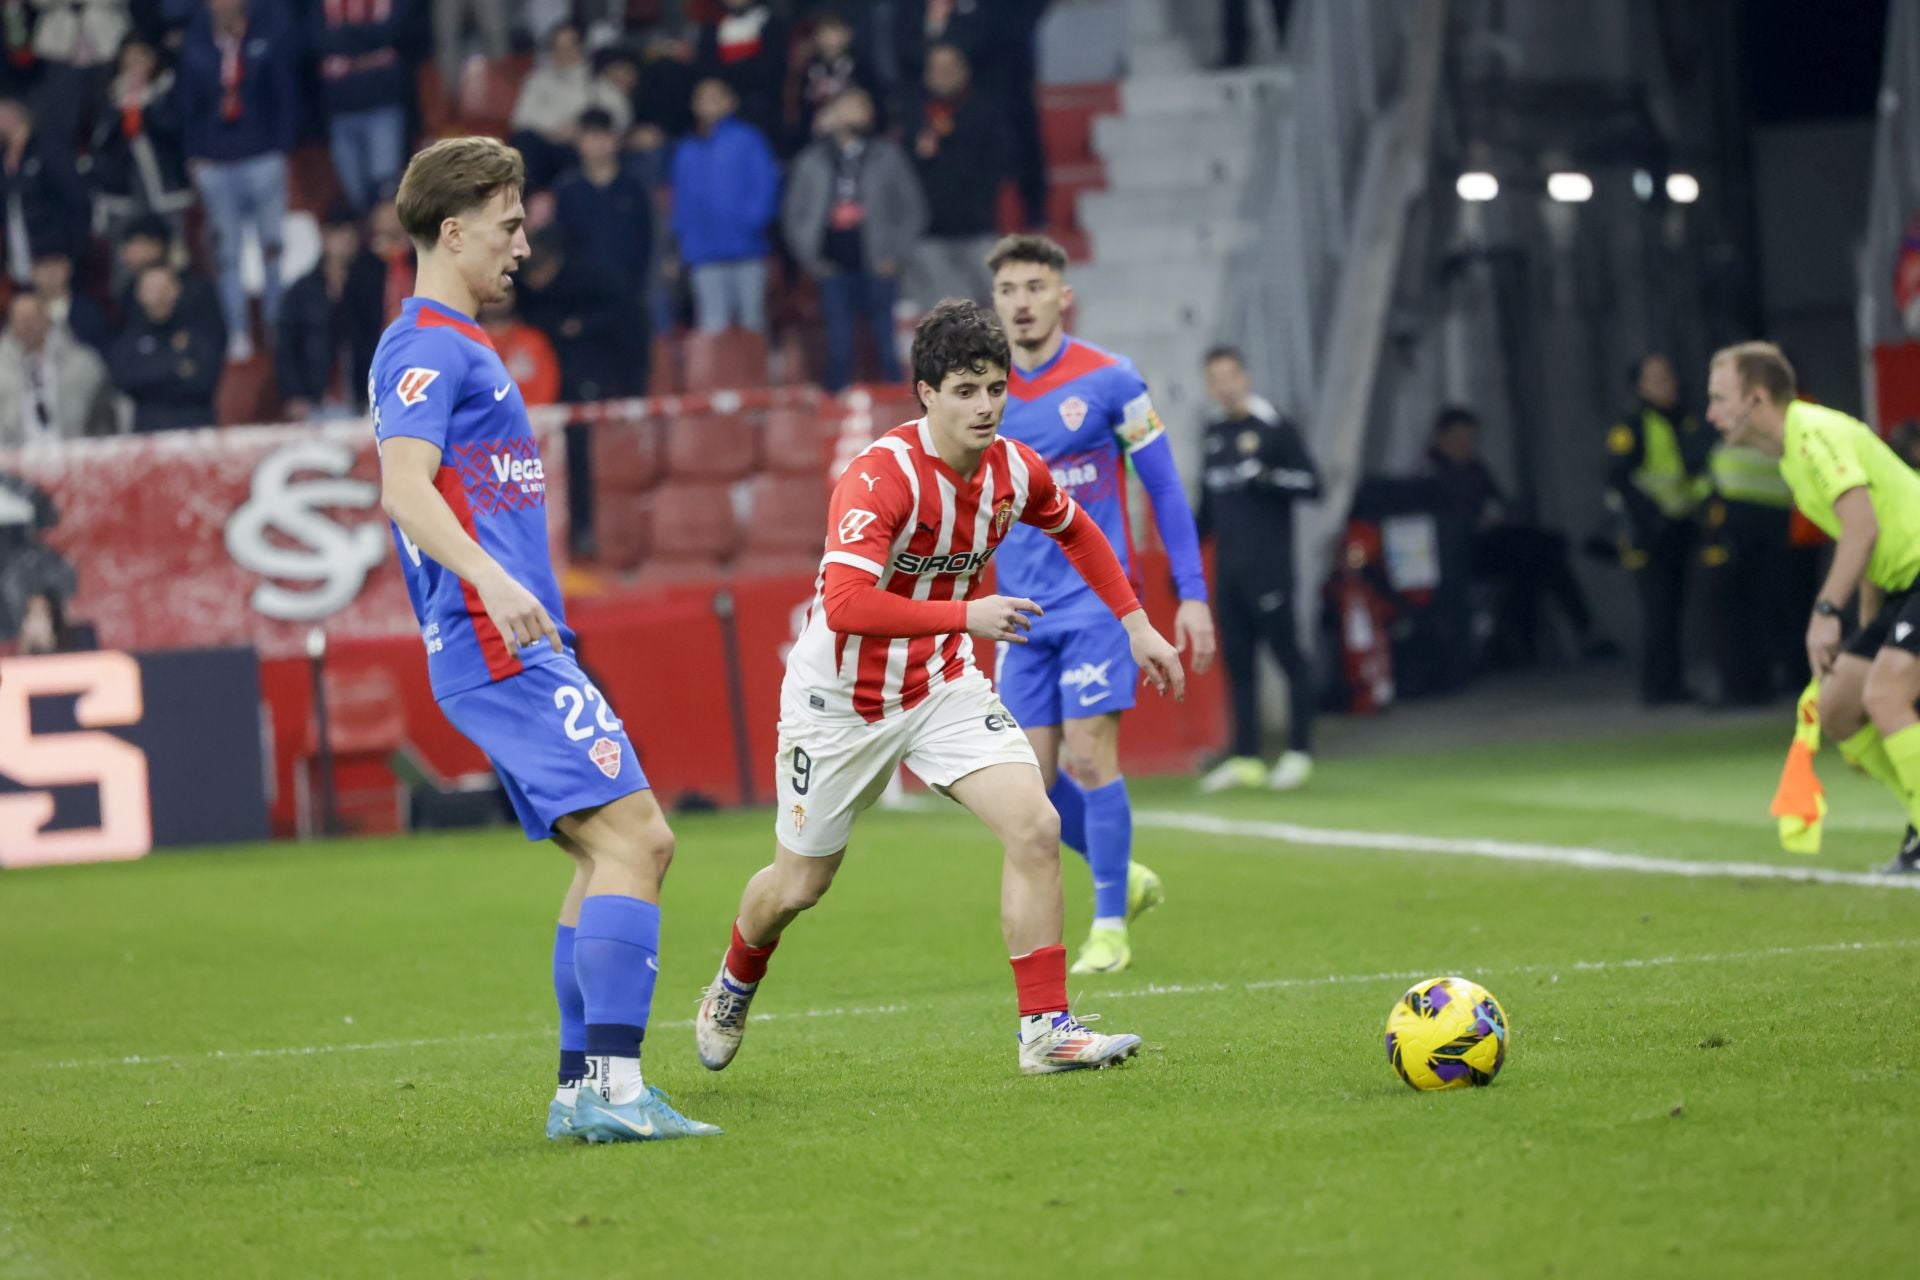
(726, 194)
(366, 86)
(239, 106)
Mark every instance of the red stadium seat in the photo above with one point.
(711, 447)
(490, 87)
(311, 183)
(693, 525)
(246, 393)
(663, 373)
(626, 457)
(623, 530)
(731, 360)
(786, 514)
(800, 441)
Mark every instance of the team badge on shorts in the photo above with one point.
(1073, 412)
(606, 754)
(799, 817)
(1002, 517)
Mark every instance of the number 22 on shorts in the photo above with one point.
(574, 702)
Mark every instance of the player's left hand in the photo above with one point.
(1823, 643)
(1159, 662)
(1193, 626)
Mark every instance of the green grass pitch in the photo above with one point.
(334, 1059)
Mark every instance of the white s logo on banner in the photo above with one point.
(335, 558)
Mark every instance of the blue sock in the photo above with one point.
(573, 1008)
(615, 950)
(1109, 846)
(1071, 803)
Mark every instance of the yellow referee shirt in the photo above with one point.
(1829, 453)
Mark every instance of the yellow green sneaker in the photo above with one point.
(1234, 773)
(1106, 951)
(1143, 891)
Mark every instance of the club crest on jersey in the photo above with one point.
(606, 754)
(1002, 517)
(853, 525)
(413, 384)
(799, 816)
(1073, 412)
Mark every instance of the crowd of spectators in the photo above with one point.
(686, 162)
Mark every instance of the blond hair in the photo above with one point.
(1763, 365)
(452, 177)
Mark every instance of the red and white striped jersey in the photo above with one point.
(925, 533)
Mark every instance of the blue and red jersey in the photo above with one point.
(437, 378)
(1086, 412)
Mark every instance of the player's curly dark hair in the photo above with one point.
(958, 336)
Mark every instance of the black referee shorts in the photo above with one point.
(1897, 624)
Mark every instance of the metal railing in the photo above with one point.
(1283, 284)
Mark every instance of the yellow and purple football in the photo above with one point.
(1447, 1033)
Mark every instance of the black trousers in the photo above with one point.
(1662, 584)
(1758, 621)
(1236, 35)
(1530, 564)
(1257, 609)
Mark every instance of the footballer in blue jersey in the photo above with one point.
(1087, 413)
(466, 490)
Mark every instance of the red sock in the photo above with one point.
(1040, 977)
(749, 963)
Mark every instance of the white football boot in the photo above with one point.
(1063, 1043)
(1291, 771)
(722, 1021)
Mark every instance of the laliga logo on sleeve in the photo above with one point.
(854, 524)
(413, 384)
(334, 558)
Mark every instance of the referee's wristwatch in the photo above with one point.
(1826, 609)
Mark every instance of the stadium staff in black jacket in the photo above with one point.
(330, 324)
(1256, 468)
(168, 363)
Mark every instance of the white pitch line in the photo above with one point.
(1571, 966)
(371, 1046)
(1156, 989)
(1509, 851)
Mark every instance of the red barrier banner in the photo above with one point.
(237, 536)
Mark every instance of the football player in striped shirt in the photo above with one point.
(885, 672)
(465, 487)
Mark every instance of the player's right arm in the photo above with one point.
(871, 505)
(411, 429)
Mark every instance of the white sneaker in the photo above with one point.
(722, 1021)
(1291, 771)
(1065, 1044)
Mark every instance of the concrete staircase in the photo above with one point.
(1178, 157)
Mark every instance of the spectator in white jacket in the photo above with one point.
(546, 116)
(51, 387)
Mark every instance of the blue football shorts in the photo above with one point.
(553, 739)
(1070, 668)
